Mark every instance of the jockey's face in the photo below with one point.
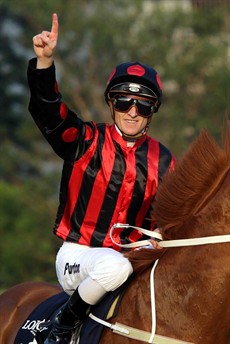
(130, 121)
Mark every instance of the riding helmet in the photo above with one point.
(135, 78)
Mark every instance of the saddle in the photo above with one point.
(36, 328)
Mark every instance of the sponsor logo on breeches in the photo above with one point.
(72, 268)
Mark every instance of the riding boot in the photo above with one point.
(68, 320)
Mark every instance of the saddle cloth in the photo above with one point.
(32, 333)
(41, 314)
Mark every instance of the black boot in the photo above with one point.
(68, 320)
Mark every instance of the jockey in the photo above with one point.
(110, 175)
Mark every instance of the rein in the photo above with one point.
(215, 239)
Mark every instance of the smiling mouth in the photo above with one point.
(130, 121)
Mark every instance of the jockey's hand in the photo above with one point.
(155, 244)
(45, 43)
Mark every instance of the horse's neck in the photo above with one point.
(211, 216)
(191, 283)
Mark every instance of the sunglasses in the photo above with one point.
(144, 107)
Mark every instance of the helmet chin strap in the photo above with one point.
(130, 138)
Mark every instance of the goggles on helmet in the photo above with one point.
(133, 88)
(123, 103)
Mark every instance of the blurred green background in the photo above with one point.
(187, 42)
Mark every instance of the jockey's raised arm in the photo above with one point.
(45, 43)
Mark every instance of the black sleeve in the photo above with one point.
(62, 128)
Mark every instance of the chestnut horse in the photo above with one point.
(192, 283)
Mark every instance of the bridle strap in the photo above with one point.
(216, 239)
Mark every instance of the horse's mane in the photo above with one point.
(182, 189)
(194, 175)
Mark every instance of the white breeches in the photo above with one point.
(77, 263)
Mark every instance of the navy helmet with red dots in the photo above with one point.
(137, 79)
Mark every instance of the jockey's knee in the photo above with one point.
(121, 272)
(115, 274)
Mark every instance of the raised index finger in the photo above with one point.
(54, 29)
